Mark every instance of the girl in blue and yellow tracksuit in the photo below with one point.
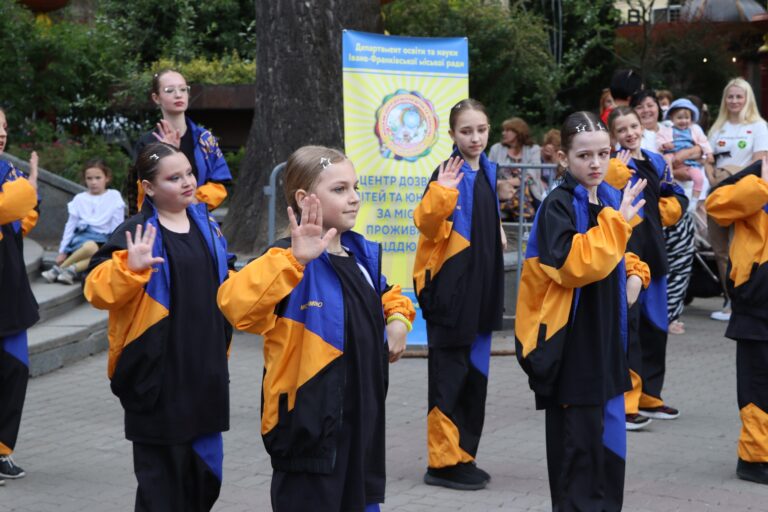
(170, 93)
(742, 201)
(323, 312)
(18, 307)
(570, 327)
(459, 280)
(648, 321)
(168, 342)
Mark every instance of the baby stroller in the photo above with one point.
(704, 281)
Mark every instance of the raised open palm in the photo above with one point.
(627, 209)
(449, 175)
(33, 161)
(140, 248)
(307, 239)
(168, 134)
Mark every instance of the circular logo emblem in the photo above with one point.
(406, 125)
(742, 144)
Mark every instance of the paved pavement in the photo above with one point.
(77, 459)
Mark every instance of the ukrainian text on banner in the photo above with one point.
(398, 93)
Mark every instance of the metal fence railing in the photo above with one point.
(551, 170)
(548, 171)
(271, 192)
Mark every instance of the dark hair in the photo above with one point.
(619, 112)
(145, 168)
(625, 83)
(703, 111)
(641, 95)
(583, 121)
(465, 104)
(98, 163)
(157, 76)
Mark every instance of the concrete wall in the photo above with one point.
(55, 192)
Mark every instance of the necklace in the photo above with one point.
(342, 252)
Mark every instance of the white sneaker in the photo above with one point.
(67, 275)
(723, 316)
(52, 274)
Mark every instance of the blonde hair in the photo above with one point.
(304, 167)
(749, 114)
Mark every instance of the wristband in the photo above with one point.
(399, 317)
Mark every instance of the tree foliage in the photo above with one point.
(183, 29)
(57, 70)
(511, 69)
(298, 99)
(588, 58)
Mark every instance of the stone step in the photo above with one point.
(33, 257)
(55, 299)
(78, 333)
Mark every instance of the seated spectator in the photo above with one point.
(93, 216)
(517, 147)
(549, 148)
(606, 101)
(665, 99)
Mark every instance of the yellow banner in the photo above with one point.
(398, 93)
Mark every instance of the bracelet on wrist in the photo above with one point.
(399, 317)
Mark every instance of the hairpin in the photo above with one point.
(154, 157)
(325, 162)
(581, 128)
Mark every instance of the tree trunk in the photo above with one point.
(298, 99)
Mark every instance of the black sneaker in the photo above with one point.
(9, 469)
(473, 467)
(459, 477)
(662, 412)
(752, 471)
(636, 422)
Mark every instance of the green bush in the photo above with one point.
(234, 158)
(511, 69)
(183, 29)
(228, 69)
(65, 73)
(66, 156)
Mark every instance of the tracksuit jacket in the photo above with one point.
(300, 312)
(672, 202)
(549, 290)
(444, 219)
(742, 200)
(138, 320)
(18, 215)
(212, 169)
